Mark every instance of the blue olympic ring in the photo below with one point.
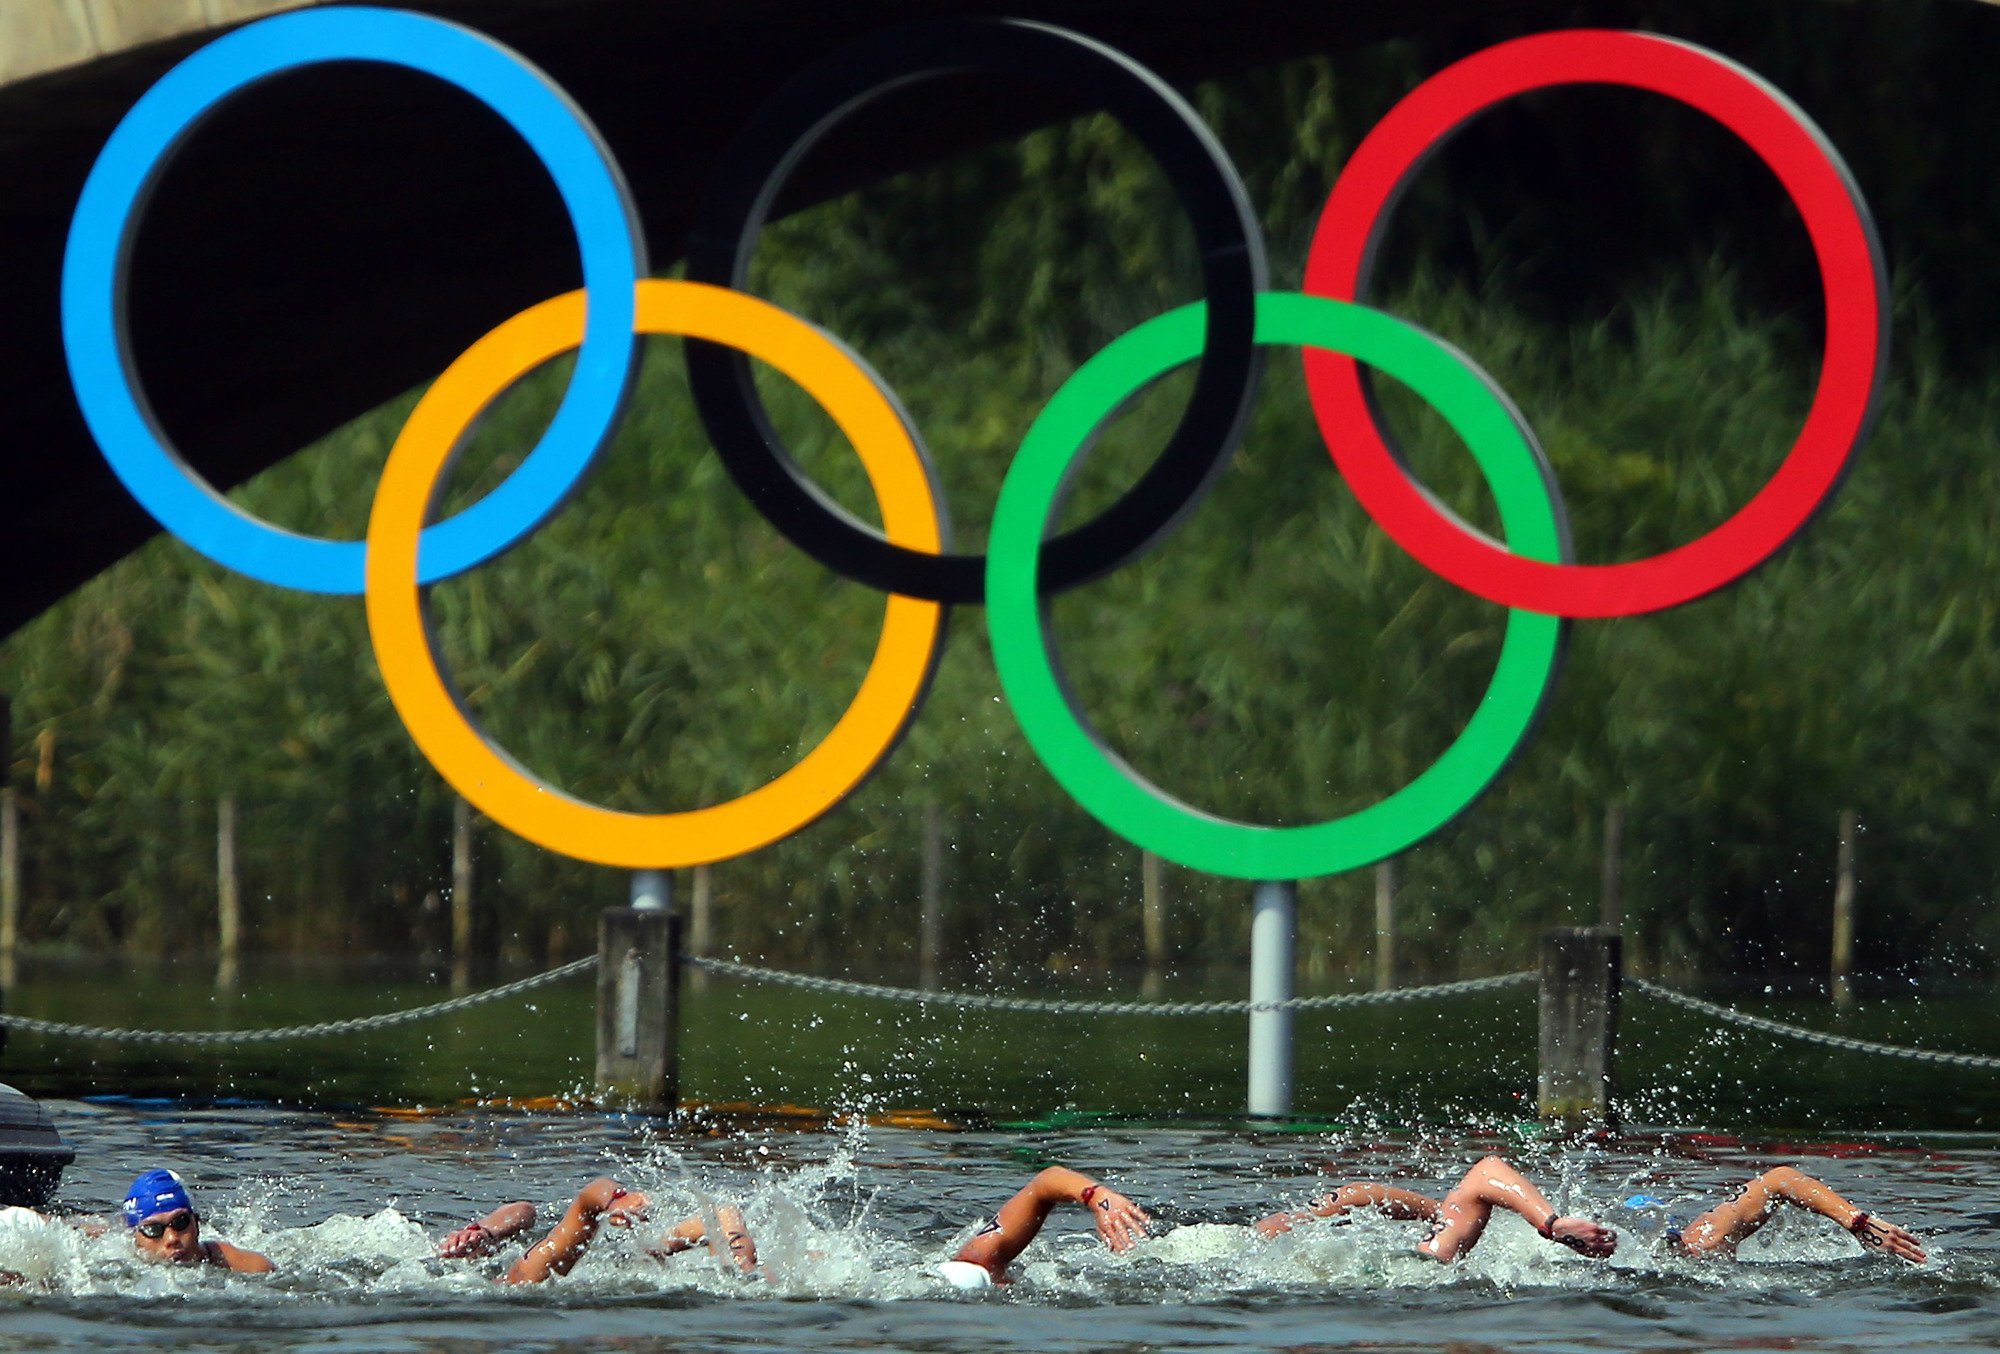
(100, 237)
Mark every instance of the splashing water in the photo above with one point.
(850, 1223)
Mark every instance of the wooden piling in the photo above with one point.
(1385, 924)
(638, 1007)
(1843, 910)
(1581, 973)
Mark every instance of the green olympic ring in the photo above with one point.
(1060, 734)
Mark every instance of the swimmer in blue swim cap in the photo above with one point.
(1458, 1220)
(166, 1228)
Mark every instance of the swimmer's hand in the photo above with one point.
(1279, 1223)
(1122, 1223)
(468, 1241)
(484, 1236)
(625, 1207)
(1583, 1236)
(742, 1250)
(1879, 1234)
(1327, 1206)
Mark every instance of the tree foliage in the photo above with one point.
(658, 646)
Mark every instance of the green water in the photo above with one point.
(1446, 1062)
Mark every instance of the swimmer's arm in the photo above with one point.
(484, 1236)
(1797, 1188)
(1391, 1200)
(238, 1260)
(603, 1199)
(737, 1243)
(1119, 1221)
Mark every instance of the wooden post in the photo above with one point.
(1153, 901)
(1611, 894)
(1385, 924)
(1579, 1024)
(461, 894)
(1843, 910)
(638, 1007)
(930, 936)
(228, 899)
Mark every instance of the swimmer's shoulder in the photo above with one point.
(236, 1259)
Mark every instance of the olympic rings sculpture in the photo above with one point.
(1531, 572)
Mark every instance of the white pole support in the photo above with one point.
(1274, 935)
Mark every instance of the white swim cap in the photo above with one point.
(964, 1275)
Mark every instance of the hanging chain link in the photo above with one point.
(977, 1001)
(356, 1025)
(1820, 1037)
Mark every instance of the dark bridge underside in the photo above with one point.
(339, 235)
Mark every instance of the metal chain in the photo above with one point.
(1055, 1006)
(1840, 1041)
(356, 1025)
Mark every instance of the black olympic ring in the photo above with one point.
(728, 223)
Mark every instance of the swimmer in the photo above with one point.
(984, 1259)
(1718, 1232)
(1459, 1219)
(602, 1201)
(166, 1228)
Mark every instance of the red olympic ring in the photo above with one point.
(1843, 239)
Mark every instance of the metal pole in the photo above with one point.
(1274, 935)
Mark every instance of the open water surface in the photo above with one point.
(850, 1218)
(883, 1133)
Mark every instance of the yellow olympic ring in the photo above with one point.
(485, 774)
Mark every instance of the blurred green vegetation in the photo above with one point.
(1277, 658)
